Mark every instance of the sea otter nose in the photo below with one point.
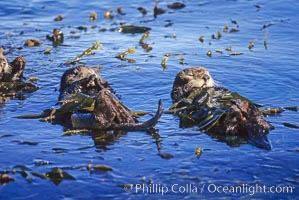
(206, 77)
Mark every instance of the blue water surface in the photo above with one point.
(267, 75)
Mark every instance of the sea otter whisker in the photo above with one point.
(216, 83)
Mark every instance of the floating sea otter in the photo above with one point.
(225, 115)
(11, 75)
(108, 112)
(88, 102)
(11, 72)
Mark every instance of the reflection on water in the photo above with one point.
(266, 74)
(104, 139)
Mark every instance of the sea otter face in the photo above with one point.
(4, 67)
(75, 74)
(190, 79)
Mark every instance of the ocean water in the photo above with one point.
(266, 74)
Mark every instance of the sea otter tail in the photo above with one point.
(141, 126)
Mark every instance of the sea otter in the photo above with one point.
(217, 111)
(108, 113)
(13, 71)
(81, 79)
(11, 75)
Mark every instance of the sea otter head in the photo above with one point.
(189, 80)
(4, 67)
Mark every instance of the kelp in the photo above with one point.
(186, 108)
(274, 23)
(25, 142)
(271, 111)
(133, 29)
(108, 14)
(292, 108)
(182, 59)
(209, 53)
(234, 22)
(219, 51)
(57, 37)
(236, 53)
(93, 16)
(163, 62)
(176, 5)
(139, 113)
(277, 110)
(157, 10)
(219, 35)
(47, 51)
(201, 96)
(201, 39)
(265, 40)
(251, 44)
(142, 10)
(26, 176)
(15, 90)
(198, 152)
(76, 102)
(166, 156)
(226, 29)
(7, 88)
(32, 42)
(76, 132)
(5, 179)
(96, 46)
(58, 18)
(233, 30)
(228, 48)
(120, 11)
(56, 175)
(289, 125)
(144, 45)
(185, 103)
(101, 168)
(166, 56)
(122, 56)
